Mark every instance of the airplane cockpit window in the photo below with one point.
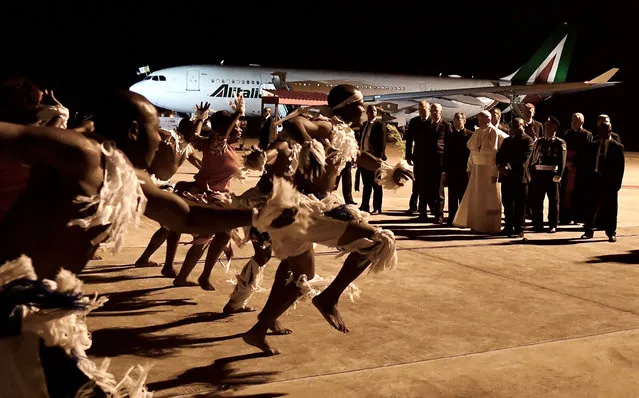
(162, 78)
(155, 78)
(148, 78)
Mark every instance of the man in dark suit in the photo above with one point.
(456, 155)
(513, 158)
(606, 167)
(432, 153)
(265, 130)
(533, 128)
(495, 119)
(573, 182)
(417, 128)
(373, 141)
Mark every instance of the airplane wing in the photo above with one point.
(501, 93)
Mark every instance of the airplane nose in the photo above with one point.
(136, 88)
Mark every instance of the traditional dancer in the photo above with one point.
(280, 160)
(174, 149)
(296, 221)
(220, 164)
(94, 189)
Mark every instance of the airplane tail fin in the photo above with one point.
(549, 64)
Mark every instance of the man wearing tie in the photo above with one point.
(432, 190)
(373, 141)
(607, 164)
(265, 130)
(533, 128)
(417, 128)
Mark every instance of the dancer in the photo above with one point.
(220, 164)
(94, 189)
(174, 149)
(280, 160)
(296, 220)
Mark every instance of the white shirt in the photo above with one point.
(365, 144)
(605, 144)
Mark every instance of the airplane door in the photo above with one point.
(193, 80)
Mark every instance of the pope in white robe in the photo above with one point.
(480, 208)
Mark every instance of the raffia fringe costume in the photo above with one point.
(43, 332)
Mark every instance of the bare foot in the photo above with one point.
(169, 272)
(205, 284)
(259, 341)
(228, 309)
(330, 313)
(181, 283)
(279, 330)
(146, 263)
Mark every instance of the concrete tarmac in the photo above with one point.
(463, 315)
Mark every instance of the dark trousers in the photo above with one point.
(265, 139)
(513, 196)
(414, 196)
(368, 180)
(602, 206)
(542, 185)
(431, 189)
(346, 177)
(457, 183)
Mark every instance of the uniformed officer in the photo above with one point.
(547, 166)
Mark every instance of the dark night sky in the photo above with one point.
(75, 47)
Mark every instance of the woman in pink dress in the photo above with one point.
(220, 164)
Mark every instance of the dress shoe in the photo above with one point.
(439, 220)
(612, 238)
(410, 212)
(587, 235)
(552, 230)
(350, 202)
(376, 212)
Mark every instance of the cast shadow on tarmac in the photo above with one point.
(632, 257)
(221, 376)
(96, 278)
(106, 268)
(120, 302)
(141, 341)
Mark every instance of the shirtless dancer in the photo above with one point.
(173, 151)
(296, 220)
(94, 189)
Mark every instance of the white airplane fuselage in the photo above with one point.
(180, 88)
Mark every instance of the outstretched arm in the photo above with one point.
(175, 214)
(66, 151)
(300, 129)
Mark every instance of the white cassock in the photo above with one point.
(480, 209)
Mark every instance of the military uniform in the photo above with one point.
(547, 166)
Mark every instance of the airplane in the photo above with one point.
(179, 88)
